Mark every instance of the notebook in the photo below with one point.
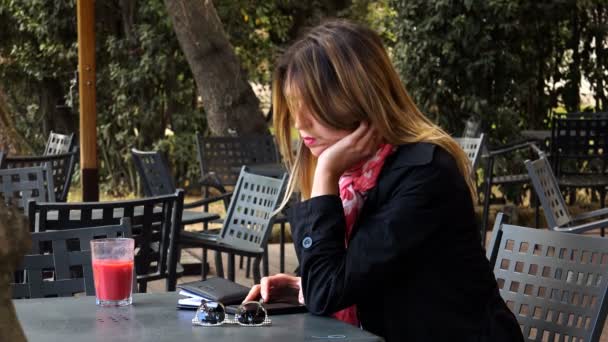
(215, 289)
(230, 294)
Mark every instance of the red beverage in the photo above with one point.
(113, 279)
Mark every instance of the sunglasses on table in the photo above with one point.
(249, 314)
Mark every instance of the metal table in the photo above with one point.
(537, 135)
(153, 317)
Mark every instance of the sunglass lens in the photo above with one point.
(211, 313)
(251, 313)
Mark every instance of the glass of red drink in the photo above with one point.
(112, 261)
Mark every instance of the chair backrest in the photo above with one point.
(62, 166)
(472, 147)
(249, 214)
(70, 268)
(579, 144)
(472, 127)
(555, 283)
(59, 143)
(156, 225)
(2, 156)
(547, 189)
(154, 172)
(218, 156)
(24, 184)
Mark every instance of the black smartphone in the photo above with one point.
(277, 308)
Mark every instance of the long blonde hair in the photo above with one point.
(342, 74)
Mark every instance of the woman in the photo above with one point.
(386, 235)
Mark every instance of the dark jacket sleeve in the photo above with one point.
(333, 277)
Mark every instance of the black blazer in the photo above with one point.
(414, 265)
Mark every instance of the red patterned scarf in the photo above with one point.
(354, 185)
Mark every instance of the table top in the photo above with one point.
(153, 317)
(538, 134)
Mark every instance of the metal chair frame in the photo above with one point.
(62, 166)
(62, 262)
(218, 156)
(579, 152)
(59, 143)
(554, 206)
(24, 184)
(156, 223)
(246, 227)
(472, 147)
(492, 178)
(555, 283)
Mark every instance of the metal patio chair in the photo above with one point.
(220, 156)
(157, 180)
(579, 152)
(246, 227)
(156, 224)
(70, 268)
(553, 203)
(494, 174)
(62, 166)
(555, 283)
(24, 184)
(59, 143)
(472, 147)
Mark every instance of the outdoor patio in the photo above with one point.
(134, 135)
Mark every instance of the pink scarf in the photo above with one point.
(354, 185)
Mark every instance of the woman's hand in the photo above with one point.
(277, 288)
(354, 148)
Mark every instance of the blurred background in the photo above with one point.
(509, 65)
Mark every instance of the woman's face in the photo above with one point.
(315, 135)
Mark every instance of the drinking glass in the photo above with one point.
(112, 261)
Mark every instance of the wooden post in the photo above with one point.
(88, 112)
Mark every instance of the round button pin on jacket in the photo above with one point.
(307, 242)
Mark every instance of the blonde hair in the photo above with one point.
(342, 74)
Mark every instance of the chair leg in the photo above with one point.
(572, 196)
(204, 260)
(256, 270)
(143, 286)
(248, 268)
(536, 204)
(282, 249)
(602, 205)
(241, 259)
(486, 199)
(231, 267)
(204, 265)
(265, 262)
(219, 265)
(170, 283)
(171, 279)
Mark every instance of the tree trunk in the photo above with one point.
(10, 140)
(229, 102)
(15, 241)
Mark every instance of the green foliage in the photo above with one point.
(146, 96)
(37, 49)
(378, 15)
(144, 85)
(499, 60)
(256, 30)
(509, 63)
